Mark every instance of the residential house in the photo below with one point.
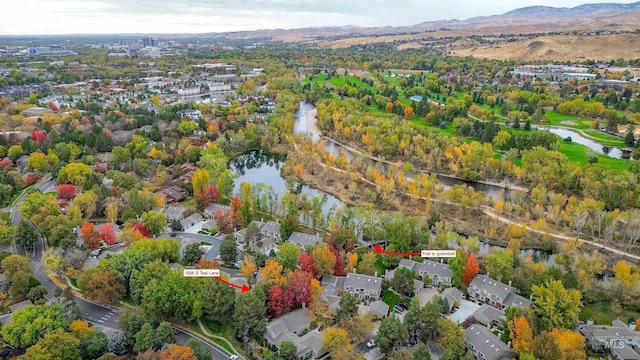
(21, 305)
(378, 308)
(294, 327)
(485, 345)
(174, 213)
(333, 288)
(488, 315)
(210, 226)
(364, 287)
(172, 194)
(452, 295)
(439, 273)
(486, 290)
(269, 236)
(304, 240)
(620, 339)
(211, 210)
(191, 220)
(514, 299)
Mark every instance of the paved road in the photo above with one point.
(102, 316)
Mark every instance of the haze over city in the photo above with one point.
(197, 16)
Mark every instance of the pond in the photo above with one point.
(301, 125)
(613, 152)
(259, 166)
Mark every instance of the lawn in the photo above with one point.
(606, 139)
(558, 118)
(225, 331)
(578, 153)
(17, 196)
(602, 314)
(392, 299)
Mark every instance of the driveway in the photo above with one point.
(467, 308)
(195, 228)
(374, 354)
(425, 295)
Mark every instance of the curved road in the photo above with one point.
(105, 317)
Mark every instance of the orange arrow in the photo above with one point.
(378, 249)
(244, 287)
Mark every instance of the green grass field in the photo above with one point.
(578, 153)
(602, 314)
(605, 139)
(393, 299)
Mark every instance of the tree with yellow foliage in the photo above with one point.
(248, 267)
(626, 278)
(272, 274)
(571, 343)
(200, 179)
(335, 340)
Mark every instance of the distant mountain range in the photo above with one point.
(527, 16)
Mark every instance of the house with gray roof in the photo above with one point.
(488, 315)
(294, 327)
(514, 299)
(452, 295)
(439, 273)
(364, 287)
(211, 210)
(485, 345)
(486, 290)
(332, 290)
(191, 220)
(304, 240)
(269, 236)
(623, 342)
(174, 213)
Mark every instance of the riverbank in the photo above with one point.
(312, 121)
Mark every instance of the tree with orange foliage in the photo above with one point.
(90, 236)
(236, 205)
(107, 235)
(103, 286)
(571, 343)
(521, 335)
(408, 112)
(388, 107)
(178, 352)
(207, 264)
(471, 269)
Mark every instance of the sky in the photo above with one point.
(50, 17)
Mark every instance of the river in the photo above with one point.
(577, 138)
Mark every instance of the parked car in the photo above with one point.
(233, 357)
(405, 306)
(371, 343)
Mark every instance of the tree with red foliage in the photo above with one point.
(107, 235)
(209, 195)
(90, 236)
(338, 268)
(66, 191)
(6, 164)
(278, 302)
(100, 169)
(39, 136)
(471, 269)
(305, 261)
(53, 106)
(31, 179)
(225, 220)
(142, 230)
(299, 287)
(207, 264)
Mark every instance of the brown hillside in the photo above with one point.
(562, 48)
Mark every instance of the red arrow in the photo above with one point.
(244, 287)
(378, 249)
